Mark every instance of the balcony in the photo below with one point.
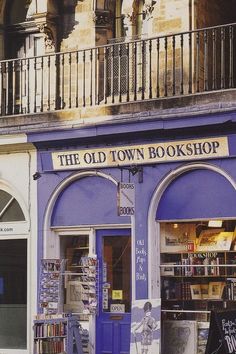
(174, 65)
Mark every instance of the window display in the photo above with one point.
(198, 270)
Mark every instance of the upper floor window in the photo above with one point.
(128, 15)
(119, 20)
(16, 11)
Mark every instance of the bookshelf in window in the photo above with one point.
(57, 335)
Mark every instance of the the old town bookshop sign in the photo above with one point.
(141, 154)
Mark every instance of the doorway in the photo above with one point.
(114, 310)
(13, 295)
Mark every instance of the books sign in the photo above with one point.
(126, 197)
(141, 154)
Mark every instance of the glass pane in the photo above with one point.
(13, 294)
(75, 249)
(4, 199)
(116, 272)
(13, 213)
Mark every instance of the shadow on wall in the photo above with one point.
(67, 14)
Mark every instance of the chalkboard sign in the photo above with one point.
(222, 333)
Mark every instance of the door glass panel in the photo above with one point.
(116, 273)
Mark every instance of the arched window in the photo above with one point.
(132, 28)
(139, 19)
(10, 209)
(119, 31)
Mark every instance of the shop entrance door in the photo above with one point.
(113, 319)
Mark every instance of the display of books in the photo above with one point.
(58, 335)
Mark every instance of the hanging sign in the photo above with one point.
(196, 149)
(126, 197)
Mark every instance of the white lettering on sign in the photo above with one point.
(229, 330)
(142, 154)
(141, 259)
(126, 197)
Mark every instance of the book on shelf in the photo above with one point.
(206, 264)
(231, 288)
(57, 336)
(173, 290)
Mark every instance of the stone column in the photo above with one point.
(128, 10)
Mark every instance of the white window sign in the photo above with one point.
(126, 198)
(117, 308)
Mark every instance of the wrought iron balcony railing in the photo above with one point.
(165, 66)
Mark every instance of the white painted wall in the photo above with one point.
(16, 170)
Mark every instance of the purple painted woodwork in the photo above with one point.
(88, 201)
(198, 194)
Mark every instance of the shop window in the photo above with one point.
(74, 249)
(10, 209)
(198, 274)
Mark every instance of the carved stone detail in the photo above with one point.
(148, 8)
(102, 18)
(130, 19)
(48, 32)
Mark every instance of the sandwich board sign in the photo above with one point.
(222, 333)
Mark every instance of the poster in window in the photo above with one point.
(183, 336)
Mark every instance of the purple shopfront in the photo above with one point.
(180, 182)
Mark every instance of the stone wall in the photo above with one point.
(170, 16)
